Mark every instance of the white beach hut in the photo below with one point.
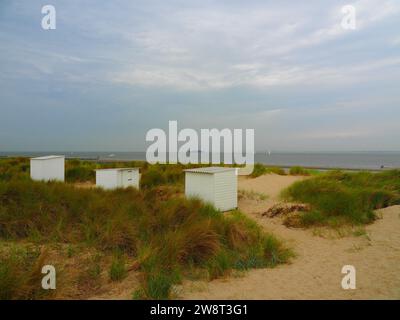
(48, 168)
(215, 185)
(118, 178)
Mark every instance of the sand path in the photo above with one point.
(315, 273)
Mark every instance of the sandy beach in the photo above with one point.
(315, 272)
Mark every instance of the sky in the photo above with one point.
(112, 70)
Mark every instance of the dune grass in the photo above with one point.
(300, 171)
(118, 270)
(20, 273)
(338, 198)
(14, 168)
(161, 233)
(152, 174)
(260, 169)
(84, 171)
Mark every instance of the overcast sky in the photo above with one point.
(112, 70)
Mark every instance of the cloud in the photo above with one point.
(253, 75)
(286, 68)
(396, 41)
(326, 135)
(219, 47)
(212, 47)
(373, 11)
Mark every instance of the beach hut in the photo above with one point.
(48, 168)
(118, 178)
(215, 185)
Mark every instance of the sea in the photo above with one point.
(366, 160)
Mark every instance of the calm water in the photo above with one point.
(347, 160)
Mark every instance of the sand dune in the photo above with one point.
(315, 273)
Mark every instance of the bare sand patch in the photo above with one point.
(269, 184)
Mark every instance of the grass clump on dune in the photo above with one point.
(118, 270)
(300, 171)
(154, 231)
(341, 198)
(260, 169)
(200, 237)
(297, 171)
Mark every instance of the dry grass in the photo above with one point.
(20, 273)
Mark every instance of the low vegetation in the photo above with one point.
(155, 232)
(300, 171)
(20, 273)
(338, 198)
(78, 171)
(14, 168)
(118, 270)
(260, 169)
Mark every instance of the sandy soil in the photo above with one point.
(315, 273)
